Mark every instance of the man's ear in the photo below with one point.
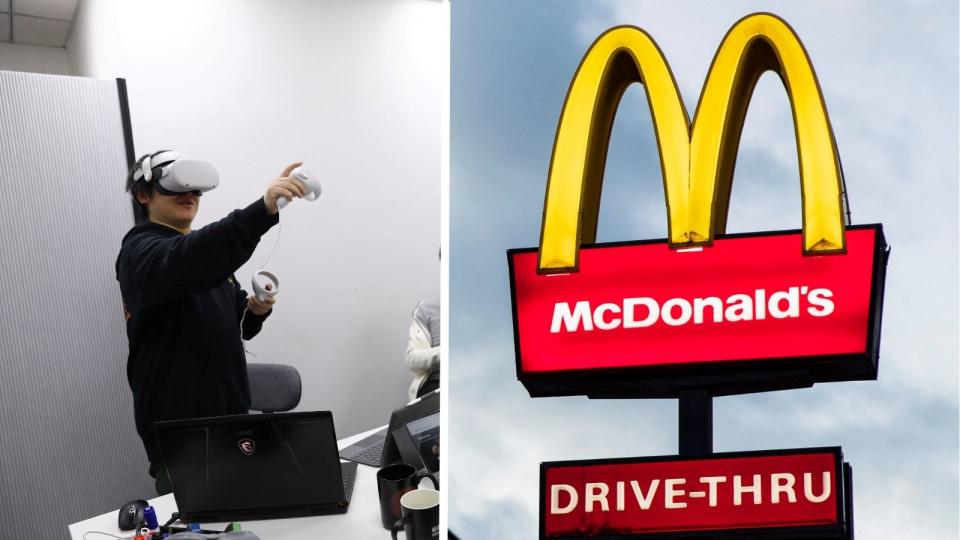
(143, 198)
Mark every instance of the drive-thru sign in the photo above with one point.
(775, 494)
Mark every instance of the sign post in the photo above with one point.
(696, 422)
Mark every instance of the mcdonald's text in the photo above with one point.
(643, 311)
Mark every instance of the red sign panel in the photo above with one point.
(791, 490)
(747, 299)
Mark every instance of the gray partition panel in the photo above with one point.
(69, 446)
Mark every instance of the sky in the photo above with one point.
(889, 76)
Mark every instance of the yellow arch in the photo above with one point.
(620, 56)
(756, 44)
(697, 163)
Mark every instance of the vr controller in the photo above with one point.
(265, 285)
(311, 183)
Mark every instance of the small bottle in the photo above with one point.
(150, 516)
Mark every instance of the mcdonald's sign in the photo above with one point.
(733, 312)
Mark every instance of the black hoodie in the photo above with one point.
(183, 308)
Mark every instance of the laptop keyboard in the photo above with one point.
(348, 488)
(348, 472)
(370, 455)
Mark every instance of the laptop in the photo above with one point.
(255, 466)
(419, 442)
(380, 449)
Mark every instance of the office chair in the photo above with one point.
(273, 387)
(430, 383)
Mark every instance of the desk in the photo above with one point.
(361, 522)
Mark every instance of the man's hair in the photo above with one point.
(140, 212)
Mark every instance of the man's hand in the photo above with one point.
(260, 308)
(283, 186)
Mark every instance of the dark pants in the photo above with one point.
(162, 481)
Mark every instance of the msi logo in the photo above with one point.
(247, 446)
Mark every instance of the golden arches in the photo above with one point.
(697, 162)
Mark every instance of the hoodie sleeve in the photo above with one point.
(204, 258)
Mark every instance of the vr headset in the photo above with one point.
(174, 175)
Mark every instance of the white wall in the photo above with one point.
(34, 59)
(351, 88)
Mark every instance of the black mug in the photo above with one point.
(421, 515)
(393, 481)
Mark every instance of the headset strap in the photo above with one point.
(148, 163)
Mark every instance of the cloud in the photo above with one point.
(499, 436)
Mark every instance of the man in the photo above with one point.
(182, 303)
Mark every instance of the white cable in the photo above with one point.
(273, 250)
(245, 310)
(276, 244)
(111, 535)
(245, 349)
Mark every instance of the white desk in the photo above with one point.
(361, 522)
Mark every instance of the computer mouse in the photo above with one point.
(131, 514)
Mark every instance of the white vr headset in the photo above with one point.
(174, 175)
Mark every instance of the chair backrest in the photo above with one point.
(430, 383)
(273, 387)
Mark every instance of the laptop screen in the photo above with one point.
(252, 462)
(425, 434)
